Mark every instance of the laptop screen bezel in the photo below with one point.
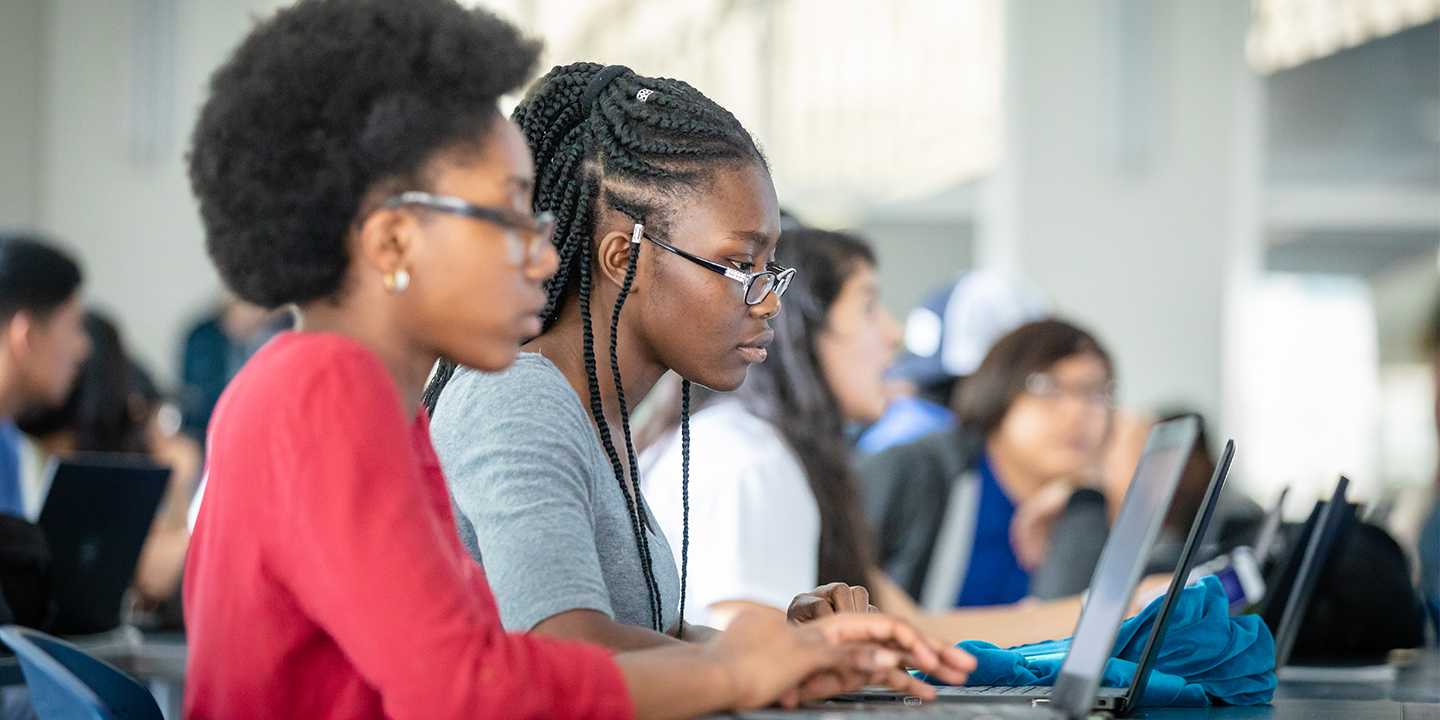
(1075, 692)
(1191, 551)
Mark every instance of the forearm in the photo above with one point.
(162, 559)
(697, 633)
(675, 682)
(1006, 625)
(597, 628)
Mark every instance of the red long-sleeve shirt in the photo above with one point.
(325, 578)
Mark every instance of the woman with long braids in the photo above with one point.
(665, 224)
(351, 162)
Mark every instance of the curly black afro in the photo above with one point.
(322, 104)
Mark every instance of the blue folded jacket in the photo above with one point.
(1206, 655)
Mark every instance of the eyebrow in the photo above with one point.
(752, 237)
(521, 183)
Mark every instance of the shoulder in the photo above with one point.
(523, 425)
(531, 385)
(727, 434)
(943, 448)
(301, 369)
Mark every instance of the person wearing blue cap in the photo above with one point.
(946, 337)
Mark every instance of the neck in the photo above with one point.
(371, 322)
(563, 344)
(12, 391)
(1018, 481)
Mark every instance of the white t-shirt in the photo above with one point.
(754, 524)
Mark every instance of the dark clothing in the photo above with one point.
(211, 359)
(1077, 539)
(906, 490)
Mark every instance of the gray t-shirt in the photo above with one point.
(537, 502)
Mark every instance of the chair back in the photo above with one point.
(68, 683)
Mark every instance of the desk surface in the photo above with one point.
(1414, 694)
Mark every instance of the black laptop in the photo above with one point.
(96, 517)
(1292, 584)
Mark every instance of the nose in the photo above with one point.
(549, 262)
(768, 308)
(890, 329)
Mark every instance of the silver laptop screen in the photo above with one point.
(1123, 559)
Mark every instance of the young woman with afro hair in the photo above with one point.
(350, 162)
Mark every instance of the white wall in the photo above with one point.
(22, 25)
(1135, 246)
(131, 217)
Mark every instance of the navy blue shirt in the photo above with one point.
(995, 576)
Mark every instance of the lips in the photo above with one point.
(754, 350)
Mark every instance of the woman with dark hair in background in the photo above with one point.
(351, 161)
(114, 408)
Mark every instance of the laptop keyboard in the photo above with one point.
(1020, 690)
(891, 711)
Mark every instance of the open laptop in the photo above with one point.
(1076, 691)
(96, 517)
(1285, 607)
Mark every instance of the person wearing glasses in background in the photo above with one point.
(666, 224)
(963, 519)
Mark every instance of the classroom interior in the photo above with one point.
(1240, 199)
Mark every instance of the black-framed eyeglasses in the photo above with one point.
(757, 285)
(527, 235)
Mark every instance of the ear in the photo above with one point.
(613, 255)
(17, 334)
(384, 241)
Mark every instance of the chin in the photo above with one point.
(491, 359)
(724, 382)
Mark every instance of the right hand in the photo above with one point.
(767, 660)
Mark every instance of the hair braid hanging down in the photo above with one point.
(684, 492)
(605, 141)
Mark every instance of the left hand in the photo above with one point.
(832, 599)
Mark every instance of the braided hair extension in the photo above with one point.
(684, 485)
(604, 134)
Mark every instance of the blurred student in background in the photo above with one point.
(775, 502)
(215, 349)
(115, 407)
(945, 338)
(43, 345)
(1034, 419)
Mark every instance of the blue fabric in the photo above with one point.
(1206, 655)
(11, 500)
(995, 576)
(906, 419)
